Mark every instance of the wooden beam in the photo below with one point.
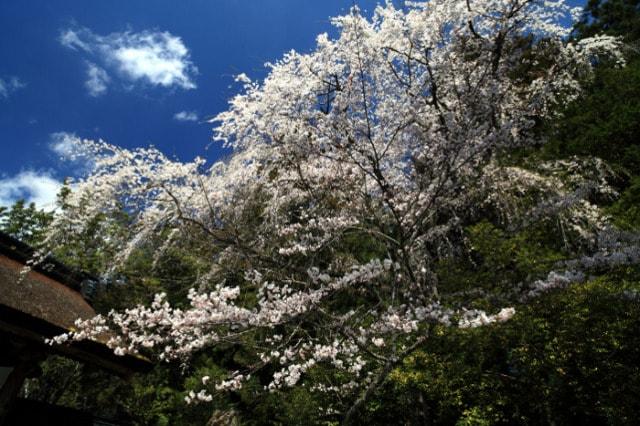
(13, 384)
(24, 327)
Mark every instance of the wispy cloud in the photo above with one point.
(186, 116)
(33, 186)
(72, 39)
(151, 57)
(9, 85)
(97, 80)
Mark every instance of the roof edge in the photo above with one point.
(17, 250)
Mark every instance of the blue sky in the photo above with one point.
(133, 73)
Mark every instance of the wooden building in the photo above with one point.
(44, 303)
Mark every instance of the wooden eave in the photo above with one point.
(45, 303)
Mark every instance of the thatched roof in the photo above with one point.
(40, 296)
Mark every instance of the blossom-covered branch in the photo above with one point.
(389, 135)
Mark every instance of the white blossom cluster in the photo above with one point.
(475, 318)
(554, 281)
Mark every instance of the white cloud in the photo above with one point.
(156, 58)
(186, 116)
(41, 187)
(9, 85)
(72, 39)
(160, 58)
(97, 80)
(37, 187)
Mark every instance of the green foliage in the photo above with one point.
(72, 384)
(613, 17)
(498, 260)
(25, 222)
(146, 274)
(626, 210)
(566, 359)
(605, 122)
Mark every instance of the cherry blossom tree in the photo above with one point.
(355, 169)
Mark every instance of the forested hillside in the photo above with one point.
(431, 219)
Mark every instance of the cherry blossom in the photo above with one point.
(390, 135)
